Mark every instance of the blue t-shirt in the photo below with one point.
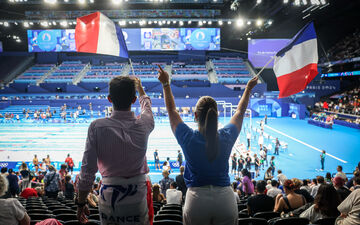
(199, 171)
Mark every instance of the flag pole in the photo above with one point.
(132, 68)
(272, 58)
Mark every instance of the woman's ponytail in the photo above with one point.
(211, 134)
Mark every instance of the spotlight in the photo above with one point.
(249, 22)
(64, 23)
(54, 23)
(220, 22)
(229, 22)
(116, 2)
(304, 2)
(18, 40)
(122, 22)
(189, 22)
(181, 23)
(168, 22)
(259, 22)
(26, 24)
(248, 38)
(200, 23)
(82, 1)
(44, 24)
(239, 22)
(50, 1)
(258, 2)
(286, 1)
(297, 2)
(270, 22)
(209, 22)
(16, 23)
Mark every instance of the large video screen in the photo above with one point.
(260, 51)
(1, 47)
(137, 39)
(341, 74)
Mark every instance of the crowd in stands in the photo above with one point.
(202, 194)
(347, 48)
(345, 103)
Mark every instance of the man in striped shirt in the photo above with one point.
(116, 146)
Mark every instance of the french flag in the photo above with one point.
(295, 65)
(95, 33)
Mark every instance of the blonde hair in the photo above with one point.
(3, 186)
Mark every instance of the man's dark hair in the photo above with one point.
(320, 180)
(357, 180)
(274, 183)
(4, 170)
(261, 186)
(340, 167)
(305, 182)
(173, 184)
(122, 92)
(10, 171)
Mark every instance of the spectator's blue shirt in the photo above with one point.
(199, 171)
(13, 182)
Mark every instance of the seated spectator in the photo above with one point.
(268, 174)
(349, 209)
(328, 178)
(93, 198)
(247, 185)
(234, 186)
(52, 182)
(268, 185)
(157, 196)
(12, 212)
(356, 184)
(181, 182)
(49, 222)
(260, 202)
(69, 188)
(29, 192)
(304, 193)
(325, 204)
(305, 186)
(13, 182)
(274, 190)
(289, 202)
(319, 181)
(350, 183)
(340, 173)
(173, 196)
(25, 176)
(281, 177)
(341, 189)
(165, 182)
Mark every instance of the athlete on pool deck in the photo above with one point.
(207, 151)
(322, 159)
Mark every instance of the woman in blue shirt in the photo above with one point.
(209, 199)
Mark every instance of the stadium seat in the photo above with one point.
(94, 217)
(41, 216)
(266, 215)
(168, 211)
(38, 211)
(167, 222)
(325, 221)
(75, 222)
(36, 207)
(252, 221)
(63, 211)
(241, 207)
(290, 220)
(66, 217)
(53, 207)
(171, 207)
(243, 215)
(168, 217)
(94, 211)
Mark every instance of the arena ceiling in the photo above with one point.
(239, 20)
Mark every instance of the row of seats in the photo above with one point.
(183, 71)
(103, 73)
(231, 70)
(66, 72)
(34, 73)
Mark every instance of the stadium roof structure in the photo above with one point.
(239, 20)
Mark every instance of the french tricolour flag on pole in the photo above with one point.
(95, 33)
(295, 65)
